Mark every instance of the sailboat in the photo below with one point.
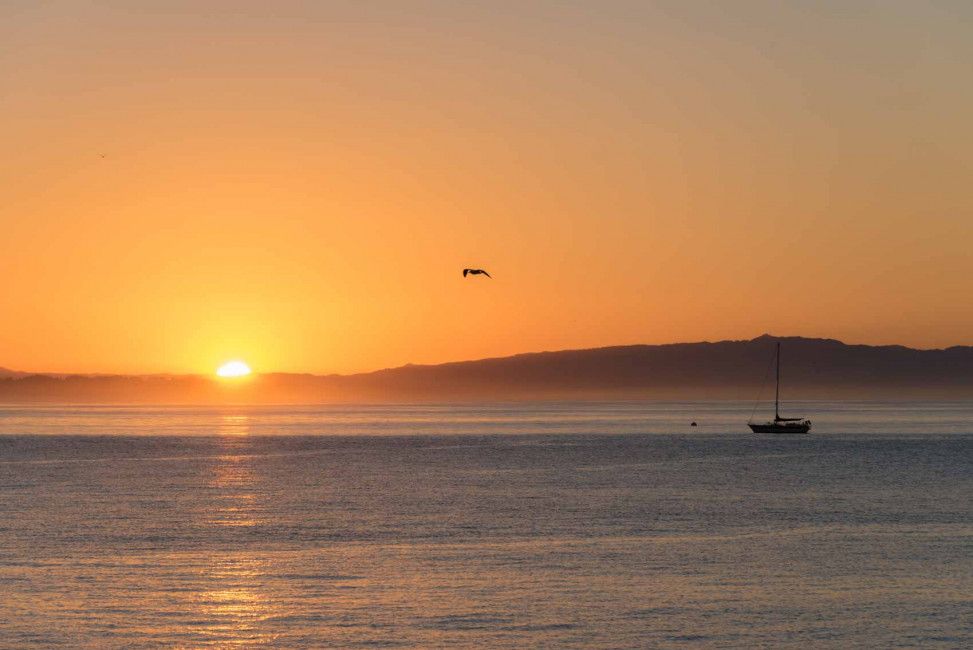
(779, 424)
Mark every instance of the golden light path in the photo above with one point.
(233, 369)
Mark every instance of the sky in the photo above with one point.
(300, 184)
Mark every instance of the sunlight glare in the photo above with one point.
(233, 369)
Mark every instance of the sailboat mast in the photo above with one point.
(777, 392)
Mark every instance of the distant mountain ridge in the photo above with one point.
(811, 368)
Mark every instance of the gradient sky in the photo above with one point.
(299, 184)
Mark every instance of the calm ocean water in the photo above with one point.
(529, 525)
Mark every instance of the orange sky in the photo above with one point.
(299, 184)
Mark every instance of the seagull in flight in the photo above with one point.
(476, 272)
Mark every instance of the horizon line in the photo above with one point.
(21, 374)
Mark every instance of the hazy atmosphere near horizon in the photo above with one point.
(299, 184)
(469, 324)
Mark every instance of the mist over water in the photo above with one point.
(517, 525)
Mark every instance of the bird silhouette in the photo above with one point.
(476, 272)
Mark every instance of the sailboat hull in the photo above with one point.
(774, 427)
(779, 424)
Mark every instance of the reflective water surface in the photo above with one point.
(569, 525)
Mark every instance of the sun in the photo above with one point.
(233, 369)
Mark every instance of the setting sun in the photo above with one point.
(233, 369)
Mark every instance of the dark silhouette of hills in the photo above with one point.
(812, 368)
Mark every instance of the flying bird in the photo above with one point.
(476, 272)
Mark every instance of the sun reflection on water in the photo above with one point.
(232, 600)
(235, 605)
(235, 424)
(234, 479)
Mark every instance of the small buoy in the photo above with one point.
(693, 424)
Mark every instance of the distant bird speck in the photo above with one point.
(476, 272)
(693, 424)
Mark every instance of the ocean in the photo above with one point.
(594, 525)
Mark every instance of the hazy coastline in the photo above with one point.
(815, 369)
